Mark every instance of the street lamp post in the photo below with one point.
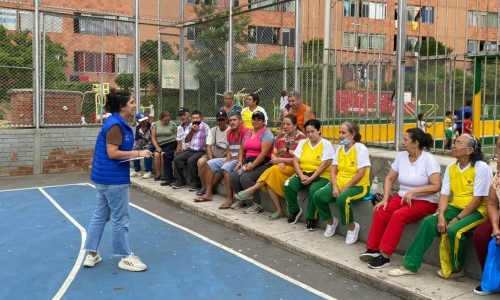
(357, 64)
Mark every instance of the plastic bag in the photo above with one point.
(445, 256)
(490, 282)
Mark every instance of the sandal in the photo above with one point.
(275, 216)
(201, 192)
(157, 177)
(243, 195)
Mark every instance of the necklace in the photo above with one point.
(290, 142)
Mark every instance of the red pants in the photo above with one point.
(482, 237)
(387, 226)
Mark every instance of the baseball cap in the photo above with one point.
(258, 114)
(221, 114)
(141, 117)
(182, 110)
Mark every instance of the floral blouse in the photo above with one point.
(284, 148)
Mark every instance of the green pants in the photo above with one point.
(428, 230)
(292, 188)
(323, 197)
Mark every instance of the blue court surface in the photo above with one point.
(43, 231)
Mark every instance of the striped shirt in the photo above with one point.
(199, 140)
(235, 142)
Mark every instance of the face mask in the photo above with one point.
(345, 142)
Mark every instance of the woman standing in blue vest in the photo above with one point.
(114, 143)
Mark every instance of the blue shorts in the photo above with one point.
(217, 165)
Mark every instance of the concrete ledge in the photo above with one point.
(331, 252)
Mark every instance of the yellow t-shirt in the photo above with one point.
(311, 158)
(246, 116)
(447, 123)
(348, 164)
(462, 187)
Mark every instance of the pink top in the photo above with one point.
(253, 145)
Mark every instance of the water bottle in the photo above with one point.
(374, 186)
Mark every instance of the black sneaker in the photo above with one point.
(379, 262)
(166, 182)
(369, 255)
(294, 217)
(311, 225)
(479, 291)
(176, 186)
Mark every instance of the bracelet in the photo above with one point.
(250, 163)
(458, 218)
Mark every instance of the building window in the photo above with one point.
(49, 23)
(348, 40)
(266, 35)
(125, 28)
(427, 14)
(490, 46)
(372, 41)
(411, 43)
(472, 46)
(8, 18)
(125, 63)
(191, 34)
(472, 18)
(84, 25)
(288, 37)
(350, 8)
(93, 62)
(374, 10)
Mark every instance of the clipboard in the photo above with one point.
(131, 159)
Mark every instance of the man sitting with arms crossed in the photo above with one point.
(303, 112)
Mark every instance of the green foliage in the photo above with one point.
(16, 59)
(125, 81)
(79, 86)
(149, 53)
(431, 47)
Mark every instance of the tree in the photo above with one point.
(149, 54)
(16, 55)
(431, 47)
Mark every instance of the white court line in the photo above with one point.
(81, 253)
(236, 253)
(39, 187)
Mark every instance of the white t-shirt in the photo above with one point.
(327, 153)
(217, 136)
(283, 102)
(421, 125)
(362, 156)
(416, 174)
(482, 179)
(181, 135)
(151, 111)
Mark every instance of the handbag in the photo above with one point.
(490, 281)
(445, 256)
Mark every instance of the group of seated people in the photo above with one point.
(244, 152)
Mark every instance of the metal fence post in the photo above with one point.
(296, 83)
(326, 58)
(36, 59)
(400, 74)
(137, 74)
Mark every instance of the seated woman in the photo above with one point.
(253, 158)
(272, 180)
(484, 232)
(350, 181)
(419, 176)
(312, 161)
(469, 180)
(163, 139)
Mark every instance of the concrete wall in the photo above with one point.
(46, 151)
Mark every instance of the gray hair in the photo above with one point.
(228, 94)
(236, 114)
(294, 94)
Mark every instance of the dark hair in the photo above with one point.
(196, 112)
(468, 103)
(255, 98)
(116, 100)
(448, 112)
(314, 123)
(353, 129)
(283, 93)
(473, 143)
(164, 114)
(467, 115)
(420, 116)
(236, 114)
(424, 139)
(292, 118)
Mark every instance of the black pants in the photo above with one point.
(187, 159)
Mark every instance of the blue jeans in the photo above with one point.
(112, 203)
(148, 161)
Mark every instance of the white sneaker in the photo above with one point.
(132, 263)
(352, 236)
(135, 174)
(147, 175)
(91, 261)
(330, 229)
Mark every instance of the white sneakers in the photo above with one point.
(132, 263)
(352, 235)
(147, 175)
(91, 261)
(135, 174)
(330, 229)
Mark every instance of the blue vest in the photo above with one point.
(106, 170)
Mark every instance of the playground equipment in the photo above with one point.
(100, 91)
(239, 97)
